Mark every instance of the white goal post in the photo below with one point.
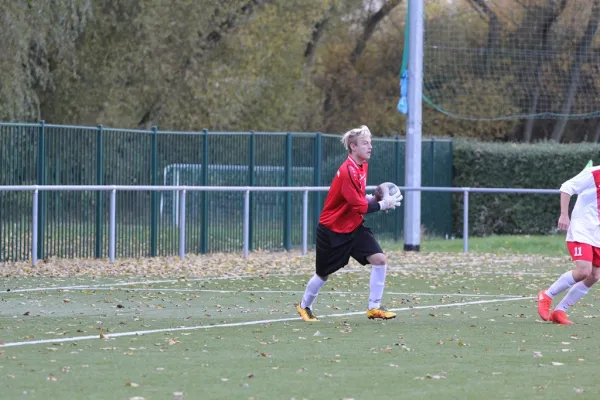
(221, 174)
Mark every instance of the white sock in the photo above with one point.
(573, 296)
(376, 285)
(312, 291)
(563, 283)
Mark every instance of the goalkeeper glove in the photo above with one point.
(390, 202)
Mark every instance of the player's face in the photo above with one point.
(362, 149)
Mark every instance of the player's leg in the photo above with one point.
(378, 263)
(333, 253)
(583, 255)
(366, 250)
(311, 292)
(577, 292)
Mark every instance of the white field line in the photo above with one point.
(246, 323)
(151, 282)
(275, 291)
(148, 282)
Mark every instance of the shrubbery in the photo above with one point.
(543, 165)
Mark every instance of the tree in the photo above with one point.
(493, 35)
(35, 37)
(551, 13)
(581, 56)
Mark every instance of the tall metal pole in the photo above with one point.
(412, 199)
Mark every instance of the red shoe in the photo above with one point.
(559, 317)
(544, 304)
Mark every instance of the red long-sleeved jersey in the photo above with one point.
(345, 203)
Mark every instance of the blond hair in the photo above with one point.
(353, 135)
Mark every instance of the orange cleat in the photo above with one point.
(381, 313)
(544, 304)
(559, 317)
(306, 313)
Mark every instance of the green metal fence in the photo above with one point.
(74, 224)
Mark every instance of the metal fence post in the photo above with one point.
(112, 226)
(305, 222)
(318, 172)
(41, 180)
(182, 225)
(251, 182)
(245, 227)
(205, 182)
(432, 162)
(34, 229)
(99, 194)
(287, 218)
(154, 194)
(397, 165)
(466, 220)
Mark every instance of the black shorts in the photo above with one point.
(335, 249)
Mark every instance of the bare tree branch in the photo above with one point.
(581, 55)
(369, 27)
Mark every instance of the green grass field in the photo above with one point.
(467, 328)
(551, 245)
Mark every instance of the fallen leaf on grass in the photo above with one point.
(433, 377)
(132, 384)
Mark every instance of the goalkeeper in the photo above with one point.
(341, 233)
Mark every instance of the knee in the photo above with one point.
(593, 276)
(378, 259)
(583, 270)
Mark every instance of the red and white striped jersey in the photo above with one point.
(585, 218)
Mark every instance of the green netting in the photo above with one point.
(512, 59)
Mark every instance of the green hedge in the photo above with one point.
(543, 165)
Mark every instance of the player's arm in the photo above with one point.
(564, 220)
(580, 182)
(373, 204)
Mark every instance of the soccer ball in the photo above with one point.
(385, 188)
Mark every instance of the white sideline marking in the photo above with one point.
(100, 285)
(246, 323)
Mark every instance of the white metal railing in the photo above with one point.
(246, 189)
